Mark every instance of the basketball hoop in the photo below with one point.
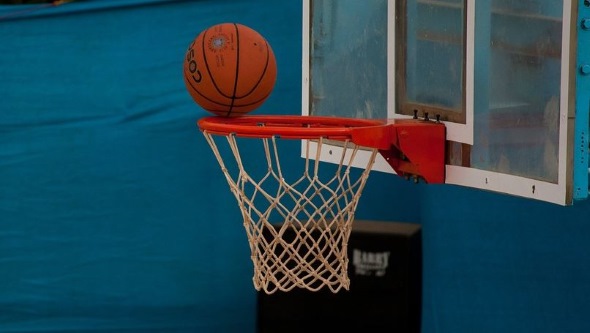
(298, 226)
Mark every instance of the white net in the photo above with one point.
(298, 226)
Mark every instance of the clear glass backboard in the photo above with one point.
(506, 77)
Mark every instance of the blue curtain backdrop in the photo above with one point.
(113, 212)
(114, 215)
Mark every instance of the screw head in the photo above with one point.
(585, 24)
(585, 69)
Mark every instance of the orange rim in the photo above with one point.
(286, 126)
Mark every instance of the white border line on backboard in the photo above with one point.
(305, 59)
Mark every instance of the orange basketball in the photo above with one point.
(229, 69)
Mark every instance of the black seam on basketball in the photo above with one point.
(233, 97)
(261, 76)
(204, 96)
(252, 103)
(209, 71)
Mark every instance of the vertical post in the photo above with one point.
(582, 131)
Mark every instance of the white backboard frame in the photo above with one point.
(558, 193)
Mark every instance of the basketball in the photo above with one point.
(229, 69)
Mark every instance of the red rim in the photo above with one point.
(285, 126)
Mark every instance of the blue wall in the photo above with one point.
(495, 263)
(115, 216)
(113, 212)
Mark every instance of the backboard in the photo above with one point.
(510, 79)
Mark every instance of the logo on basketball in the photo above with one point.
(218, 43)
(191, 64)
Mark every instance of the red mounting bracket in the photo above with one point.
(414, 148)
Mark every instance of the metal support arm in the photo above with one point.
(414, 148)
